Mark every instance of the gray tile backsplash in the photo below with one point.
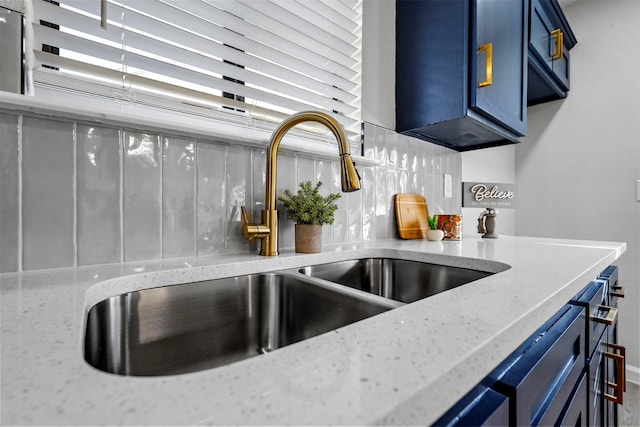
(239, 181)
(99, 207)
(178, 205)
(142, 196)
(48, 188)
(9, 192)
(211, 189)
(75, 194)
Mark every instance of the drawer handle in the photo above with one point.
(557, 34)
(610, 319)
(620, 385)
(489, 64)
(617, 291)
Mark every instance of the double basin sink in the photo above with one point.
(190, 327)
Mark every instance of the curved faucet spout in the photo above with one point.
(348, 173)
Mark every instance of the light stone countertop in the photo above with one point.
(405, 366)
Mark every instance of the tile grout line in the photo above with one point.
(225, 224)
(196, 195)
(252, 189)
(160, 140)
(121, 189)
(74, 190)
(20, 128)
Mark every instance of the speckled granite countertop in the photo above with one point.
(405, 366)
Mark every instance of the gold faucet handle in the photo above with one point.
(252, 231)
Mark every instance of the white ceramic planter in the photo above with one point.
(435, 235)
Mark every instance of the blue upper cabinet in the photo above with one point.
(461, 71)
(550, 39)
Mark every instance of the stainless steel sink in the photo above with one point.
(398, 279)
(190, 327)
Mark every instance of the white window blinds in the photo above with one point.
(261, 59)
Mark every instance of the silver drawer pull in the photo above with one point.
(610, 318)
(617, 291)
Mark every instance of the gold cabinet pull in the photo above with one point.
(557, 34)
(610, 318)
(488, 48)
(617, 291)
(620, 386)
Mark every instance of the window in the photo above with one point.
(257, 60)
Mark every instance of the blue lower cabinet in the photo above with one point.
(575, 411)
(542, 381)
(596, 414)
(613, 354)
(570, 372)
(605, 358)
(482, 406)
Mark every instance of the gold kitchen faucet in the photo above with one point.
(267, 231)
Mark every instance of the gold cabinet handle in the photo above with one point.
(610, 318)
(557, 34)
(617, 291)
(488, 48)
(620, 386)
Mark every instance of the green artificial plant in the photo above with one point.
(433, 222)
(308, 206)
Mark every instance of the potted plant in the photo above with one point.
(309, 209)
(434, 234)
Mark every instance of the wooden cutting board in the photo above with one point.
(411, 215)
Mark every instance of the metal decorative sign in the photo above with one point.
(489, 195)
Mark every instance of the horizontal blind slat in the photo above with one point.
(135, 61)
(345, 8)
(348, 25)
(169, 53)
(144, 87)
(277, 55)
(224, 37)
(264, 25)
(213, 14)
(306, 19)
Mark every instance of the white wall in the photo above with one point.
(577, 168)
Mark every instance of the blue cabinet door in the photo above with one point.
(550, 39)
(547, 42)
(442, 58)
(499, 62)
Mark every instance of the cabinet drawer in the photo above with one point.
(594, 300)
(596, 381)
(614, 290)
(481, 406)
(575, 413)
(541, 382)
